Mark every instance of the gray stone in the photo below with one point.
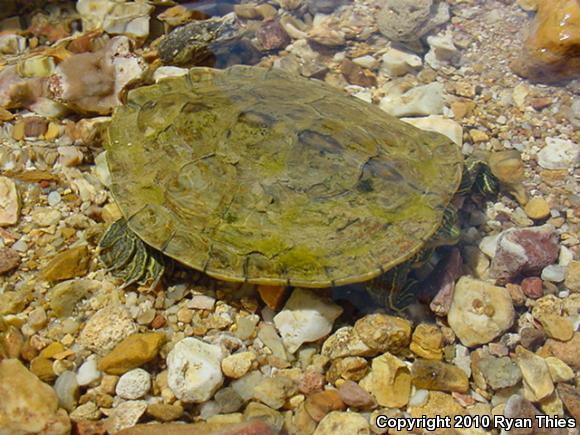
(409, 20)
(500, 372)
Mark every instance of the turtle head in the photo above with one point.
(486, 172)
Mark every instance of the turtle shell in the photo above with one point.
(257, 175)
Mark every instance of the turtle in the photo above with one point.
(256, 175)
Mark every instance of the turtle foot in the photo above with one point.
(129, 258)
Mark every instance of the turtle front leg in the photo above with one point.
(127, 257)
(394, 289)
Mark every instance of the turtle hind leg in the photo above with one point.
(128, 257)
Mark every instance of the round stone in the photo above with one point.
(537, 208)
(134, 384)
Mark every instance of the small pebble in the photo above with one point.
(53, 198)
(134, 384)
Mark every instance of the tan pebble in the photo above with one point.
(465, 89)
(318, 405)
(389, 381)
(266, 11)
(108, 384)
(478, 136)
(352, 368)
(427, 342)
(184, 315)
(247, 11)
(237, 365)
(18, 130)
(273, 296)
(164, 411)
(70, 263)
(27, 404)
(559, 370)
(11, 342)
(9, 203)
(440, 376)
(462, 109)
(53, 131)
(438, 405)
(536, 375)
(52, 349)
(537, 208)
(5, 115)
(557, 327)
(42, 367)
(572, 281)
(383, 333)
(132, 352)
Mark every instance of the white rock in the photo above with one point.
(419, 398)
(420, 101)
(488, 245)
(88, 372)
(134, 384)
(53, 198)
(439, 124)
(12, 43)
(66, 388)
(164, 72)
(520, 94)
(554, 273)
(367, 61)
(306, 317)
(70, 156)
(397, 63)
(348, 422)
(106, 328)
(201, 302)
(565, 256)
(558, 154)
(9, 203)
(442, 51)
(102, 169)
(479, 311)
(115, 17)
(126, 415)
(194, 370)
(45, 216)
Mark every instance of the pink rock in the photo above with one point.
(9, 260)
(272, 36)
(444, 283)
(353, 395)
(464, 400)
(311, 382)
(88, 427)
(524, 251)
(92, 82)
(533, 287)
